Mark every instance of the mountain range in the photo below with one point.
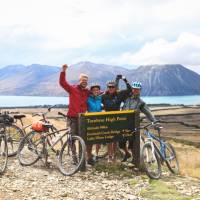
(42, 80)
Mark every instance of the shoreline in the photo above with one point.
(66, 106)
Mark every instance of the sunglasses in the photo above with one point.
(111, 86)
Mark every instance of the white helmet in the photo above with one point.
(137, 85)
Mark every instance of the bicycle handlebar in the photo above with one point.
(59, 113)
(44, 113)
(49, 108)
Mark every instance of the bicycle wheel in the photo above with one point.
(13, 134)
(3, 153)
(171, 159)
(72, 155)
(30, 148)
(150, 161)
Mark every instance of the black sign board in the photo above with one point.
(103, 127)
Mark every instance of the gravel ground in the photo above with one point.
(38, 182)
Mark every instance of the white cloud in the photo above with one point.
(53, 32)
(185, 50)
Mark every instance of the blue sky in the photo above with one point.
(120, 32)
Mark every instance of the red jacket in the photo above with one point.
(77, 97)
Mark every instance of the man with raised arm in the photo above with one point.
(78, 95)
(112, 99)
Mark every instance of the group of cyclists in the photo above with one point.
(83, 99)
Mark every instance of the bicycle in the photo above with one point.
(155, 152)
(34, 146)
(3, 147)
(15, 133)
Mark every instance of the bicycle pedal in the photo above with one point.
(48, 164)
(57, 153)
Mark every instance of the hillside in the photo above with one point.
(42, 80)
(166, 80)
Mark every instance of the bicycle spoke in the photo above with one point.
(72, 155)
(150, 161)
(171, 158)
(14, 135)
(30, 148)
(3, 153)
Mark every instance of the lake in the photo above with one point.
(14, 101)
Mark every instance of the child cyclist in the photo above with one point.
(94, 105)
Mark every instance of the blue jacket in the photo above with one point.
(94, 103)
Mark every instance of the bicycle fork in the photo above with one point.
(44, 153)
(151, 159)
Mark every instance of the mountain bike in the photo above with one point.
(15, 133)
(156, 152)
(36, 145)
(3, 149)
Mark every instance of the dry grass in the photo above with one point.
(189, 159)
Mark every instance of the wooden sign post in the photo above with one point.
(105, 127)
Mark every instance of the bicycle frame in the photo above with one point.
(60, 138)
(151, 137)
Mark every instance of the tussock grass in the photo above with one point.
(161, 191)
(189, 160)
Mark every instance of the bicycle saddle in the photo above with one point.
(19, 116)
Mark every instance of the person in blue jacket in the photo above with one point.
(94, 100)
(94, 105)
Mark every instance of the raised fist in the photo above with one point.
(119, 76)
(124, 79)
(64, 67)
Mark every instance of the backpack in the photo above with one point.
(6, 119)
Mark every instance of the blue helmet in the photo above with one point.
(137, 85)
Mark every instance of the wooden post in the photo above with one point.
(136, 144)
(80, 126)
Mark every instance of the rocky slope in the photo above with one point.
(167, 80)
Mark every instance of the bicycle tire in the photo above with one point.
(29, 147)
(13, 134)
(152, 158)
(75, 159)
(171, 157)
(3, 153)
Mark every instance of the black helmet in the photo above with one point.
(111, 83)
(93, 85)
